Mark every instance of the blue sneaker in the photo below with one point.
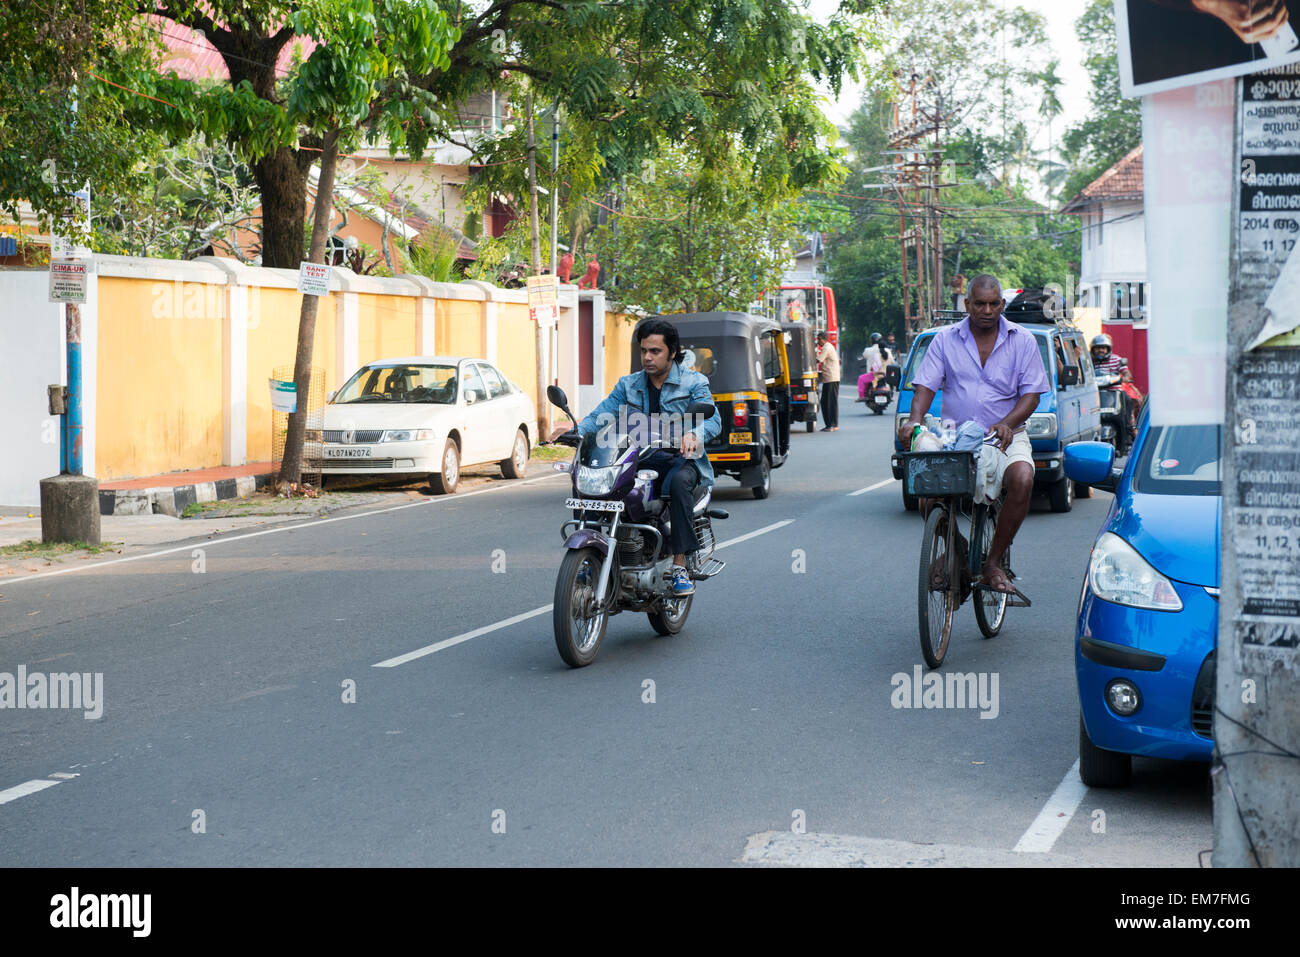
(682, 584)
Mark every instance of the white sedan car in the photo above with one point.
(424, 414)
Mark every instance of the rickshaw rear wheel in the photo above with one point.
(764, 487)
(812, 425)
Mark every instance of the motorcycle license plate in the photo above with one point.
(593, 505)
(741, 438)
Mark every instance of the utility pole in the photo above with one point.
(540, 334)
(1255, 672)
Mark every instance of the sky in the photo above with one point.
(1060, 15)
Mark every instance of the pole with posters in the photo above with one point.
(1257, 689)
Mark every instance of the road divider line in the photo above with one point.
(514, 620)
(746, 537)
(24, 789)
(872, 488)
(290, 527)
(1055, 816)
(476, 633)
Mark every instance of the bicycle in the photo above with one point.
(946, 578)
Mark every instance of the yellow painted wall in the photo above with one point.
(273, 341)
(385, 327)
(458, 328)
(618, 348)
(158, 392)
(517, 347)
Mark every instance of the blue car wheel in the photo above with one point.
(1100, 768)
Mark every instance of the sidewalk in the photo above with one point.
(170, 494)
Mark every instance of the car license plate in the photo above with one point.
(351, 452)
(593, 505)
(740, 438)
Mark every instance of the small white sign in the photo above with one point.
(68, 280)
(543, 305)
(284, 396)
(314, 279)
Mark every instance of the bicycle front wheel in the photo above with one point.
(990, 606)
(936, 587)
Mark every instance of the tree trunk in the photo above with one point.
(291, 464)
(282, 182)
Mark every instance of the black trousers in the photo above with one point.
(831, 403)
(684, 477)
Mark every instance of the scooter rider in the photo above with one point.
(664, 387)
(1105, 362)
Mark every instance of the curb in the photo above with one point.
(173, 499)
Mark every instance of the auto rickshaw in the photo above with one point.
(801, 347)
(745, 360)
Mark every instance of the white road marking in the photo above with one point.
(281, 528)
(477, 632)
(1055, 815)
(24, 789)
(762, 531)
(507, 622)
(872, 488)
(64, 776)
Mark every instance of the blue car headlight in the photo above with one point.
(1117, 573)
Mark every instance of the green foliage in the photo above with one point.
(433, 254)
(683, 246)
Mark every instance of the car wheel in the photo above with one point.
(516, 466)
(1099, 768)
(1062, 495)
(445, 482)
(1082, 491)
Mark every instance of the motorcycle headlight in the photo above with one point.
(407, 435)
(1119, 574)
(596, 481)
(1041, 425)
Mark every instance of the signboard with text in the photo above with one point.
(69, 279)
(314, 279)
(543, 299)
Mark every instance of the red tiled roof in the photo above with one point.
(192, 57)
(1121, 181)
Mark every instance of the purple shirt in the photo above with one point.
(985, 393)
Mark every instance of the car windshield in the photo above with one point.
(1181, 460)
(400, 382)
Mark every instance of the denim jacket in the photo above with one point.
(680, 389)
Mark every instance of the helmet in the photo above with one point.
(876, 337)
(1101, 341)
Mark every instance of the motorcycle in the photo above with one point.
(882, 391)
(617, 555)
(1116, 411)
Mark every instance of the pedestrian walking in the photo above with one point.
(828, 366)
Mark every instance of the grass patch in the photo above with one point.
(31, 548)
(552, 453)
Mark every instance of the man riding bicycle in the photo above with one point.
(663, 387)
(990, 371)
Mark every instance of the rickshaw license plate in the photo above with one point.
(593, 505)
(741, 438)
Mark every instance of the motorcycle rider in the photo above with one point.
(663, 387)
(1106, 362)
(873, 356)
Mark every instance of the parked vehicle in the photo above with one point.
(617, 555)
(745, 360)
(1148, 616)
(801, 351)
(1069, 413)
(428, 415)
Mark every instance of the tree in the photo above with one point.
(1113, 127)
(681, 246)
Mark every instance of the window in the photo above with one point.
(401, 383)
(699, 358)
(771, 358)
(473, 384)
(1181, 460)
(494, 385)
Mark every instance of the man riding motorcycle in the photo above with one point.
(663, 387)
(1105, 362)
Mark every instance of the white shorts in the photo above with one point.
(993, 465)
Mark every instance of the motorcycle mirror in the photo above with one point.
(557, 397)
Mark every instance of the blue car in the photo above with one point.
(1149, 612)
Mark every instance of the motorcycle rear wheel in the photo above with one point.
(669, 616)
(579, 629)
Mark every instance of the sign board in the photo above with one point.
(1165, 45)
(543, 304)
(314, 279)
(284, 395)
(68, 280)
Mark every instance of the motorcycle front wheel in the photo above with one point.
(579, 627)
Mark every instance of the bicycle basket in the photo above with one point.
(937, 474)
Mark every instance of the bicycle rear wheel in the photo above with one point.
(990, 606)
(936, 587)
